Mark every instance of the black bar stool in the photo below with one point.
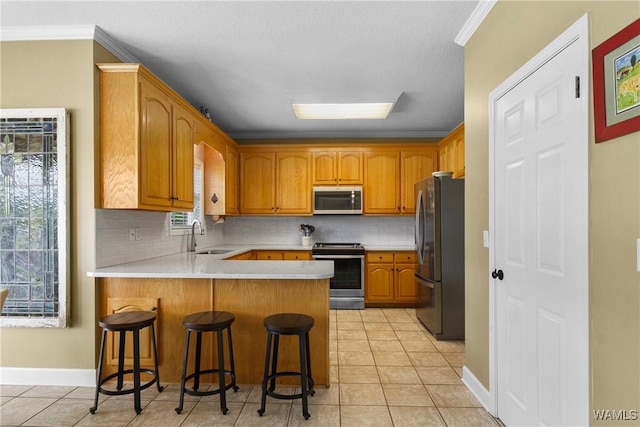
(287, 324)
(208, 321)
(124, 322)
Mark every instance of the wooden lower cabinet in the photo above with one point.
(390, 279)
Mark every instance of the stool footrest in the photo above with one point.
(128, 390)
(275, 395)
(228, 373)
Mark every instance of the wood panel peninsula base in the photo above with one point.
(250, 300)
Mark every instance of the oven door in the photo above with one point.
(348, 275)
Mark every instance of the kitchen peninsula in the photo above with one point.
(180, 284)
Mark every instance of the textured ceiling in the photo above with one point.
(246, 61)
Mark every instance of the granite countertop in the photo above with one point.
(191, 265)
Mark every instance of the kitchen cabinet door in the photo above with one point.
(325, 168)
(405, 283)
(257, 182)
(231, 181)
(182, 166)
(155, 147)
(350, 168)
(213, 197)
(382, 183)
(379, 283)
(293, 183)
(415, 166)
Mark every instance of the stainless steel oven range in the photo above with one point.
(347, 284)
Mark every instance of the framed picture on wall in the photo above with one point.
(616, 84)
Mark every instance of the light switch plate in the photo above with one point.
(485, 238)
(638, 255)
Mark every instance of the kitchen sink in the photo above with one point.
(213, 252)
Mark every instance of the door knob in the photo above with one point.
(497, 274)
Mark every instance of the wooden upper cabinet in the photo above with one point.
(451, 154)
(232, 206)
(275, 183)
(415, 167)
(257, 181)
(213, 196)
(381, 191)
(337, 168)
(182, 155)
(293, 183)
(146, 142)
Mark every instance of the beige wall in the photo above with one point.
(60, 74)
(512, 33)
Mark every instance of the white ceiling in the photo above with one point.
(247, 60)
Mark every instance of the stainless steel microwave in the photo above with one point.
(337, 200)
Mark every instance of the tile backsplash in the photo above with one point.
(114, 247)
(328, 228)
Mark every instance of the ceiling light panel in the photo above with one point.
(341, 111)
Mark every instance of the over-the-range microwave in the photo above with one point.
(337, 200)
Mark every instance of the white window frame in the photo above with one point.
(63, 131)
(198, 184)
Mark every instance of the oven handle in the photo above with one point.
(337, 256)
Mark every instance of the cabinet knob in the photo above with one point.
(214, 198)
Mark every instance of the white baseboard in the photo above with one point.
(478, 390)
(39, 376)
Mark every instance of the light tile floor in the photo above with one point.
(386, 370)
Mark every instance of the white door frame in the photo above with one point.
(578, 33)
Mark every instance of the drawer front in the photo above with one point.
(268, 255)
(405, 257)
(379, 256)
(297, 256)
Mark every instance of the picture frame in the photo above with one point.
(616, 84)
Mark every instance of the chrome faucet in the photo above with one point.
(192, 243)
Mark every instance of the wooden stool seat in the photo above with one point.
(287, 324)
(127, 321)
(208, 321)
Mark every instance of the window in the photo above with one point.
(33, 216)
(180, 222)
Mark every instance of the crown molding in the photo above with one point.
(67, 32)
(336, 134)
(477, 16)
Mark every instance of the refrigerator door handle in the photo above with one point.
(424, 282)
(419, 226)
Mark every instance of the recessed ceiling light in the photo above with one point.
(340, 111)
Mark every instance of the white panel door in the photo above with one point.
(540, 250)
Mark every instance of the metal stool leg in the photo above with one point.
(136, 371)
(99, 374)
(185, 359)
(303, 374)
(274, 361)
(155, 358)
(309, 375)
(267, 358)
(123, 335)
(231, 361)
(221, 376)
(196, 378)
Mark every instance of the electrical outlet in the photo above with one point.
(137, 234)
(132, 234)
(273, 228)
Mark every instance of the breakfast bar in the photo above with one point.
(181, 284)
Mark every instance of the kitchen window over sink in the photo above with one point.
(180, 222)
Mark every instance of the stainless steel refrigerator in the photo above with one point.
(440, 245)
